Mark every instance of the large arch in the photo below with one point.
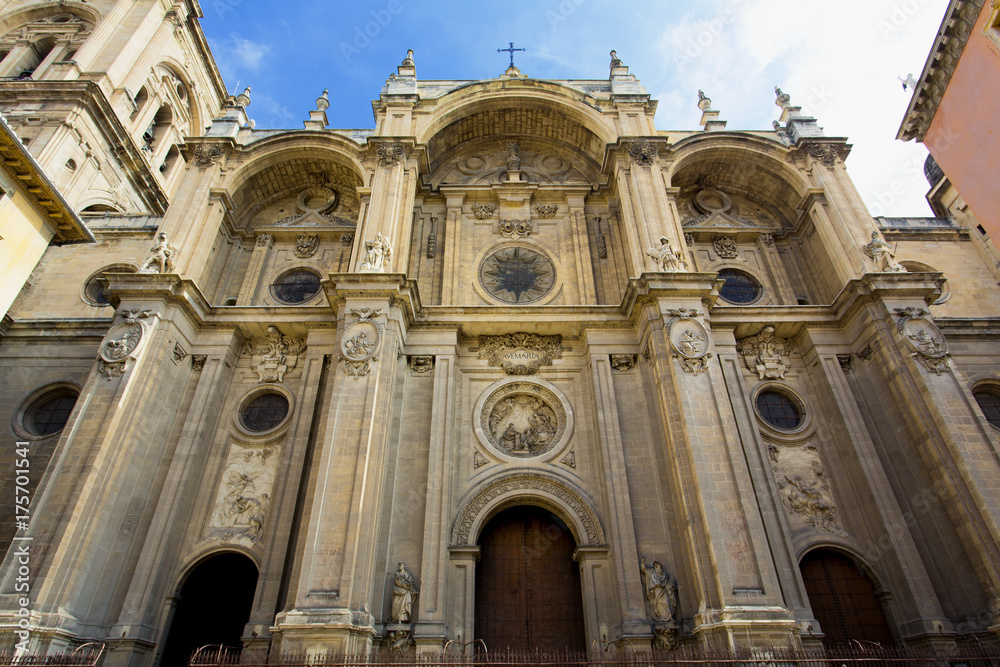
(516, 109)
(527, 487)
(86, 12)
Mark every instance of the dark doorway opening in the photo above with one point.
(528, 594)
(214, 607)
(843, 599)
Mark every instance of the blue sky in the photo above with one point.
(839, 60)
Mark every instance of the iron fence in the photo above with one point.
(88, 655)
(624, 656)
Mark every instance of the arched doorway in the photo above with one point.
(843, 599)
(214, 607)
(528, 594)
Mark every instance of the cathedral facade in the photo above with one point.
(512, 366)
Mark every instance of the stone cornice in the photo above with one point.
(952, 36)
(40, 191)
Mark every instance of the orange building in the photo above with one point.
(954, 107)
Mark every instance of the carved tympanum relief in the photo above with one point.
(273, 355)
(244, 496)
(766, 353)
(804, 488)
(523, 419)
(713, 208)
(492, 165)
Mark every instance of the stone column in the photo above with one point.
(596, 578)
(390, 211)
(581, 249)
(453, 245)
(251, 280)
(462, 593)
(621, 532)
(430, 629)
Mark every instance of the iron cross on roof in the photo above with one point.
(510, 50)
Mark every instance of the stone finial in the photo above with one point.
(615, 60)
(407, 68)
(243, 99)
(323, 101)
(781, 99)
(408, 60)
(704, 103)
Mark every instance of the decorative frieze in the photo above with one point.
(546, 211)
(765, 353)
(389, 155)
(643, 153)
(725, 247)
(515, 229)
(520, 353)
(273, 355)
(306, 245)
(484, 211)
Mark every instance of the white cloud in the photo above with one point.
(238, 57)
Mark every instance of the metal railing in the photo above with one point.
(601, 656)
(87, 655)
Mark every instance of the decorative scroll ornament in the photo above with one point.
(207, 155)
(161, 256)
(122, 342)
(520, 353)
(378, 254)
(661, 595)
(765, 353)
(883, 257)
(515, 229)
(546, 211)
(389, 155)
(689, 340)
(804, 488)
(513, 161)
(644, 153)
(484, 211)
(689, 238)
(306, 245)
(767, 240)
(725, 247)
(602, 245)
(179, 354)
(925, 340)
(361, 341)
(264, 240)
(666, 258)
(346, 240)
(623, 363)
(244, 497)
(273, 355)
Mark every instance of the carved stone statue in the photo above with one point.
(661, 591)
(926, 343)
(404, 592)
(665, 257)
(161, 258)
(378, 253)
(881, 253)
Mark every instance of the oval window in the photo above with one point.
(739, 287)
(49, 414)
(296, 286)
(264, 412)
(778, 410)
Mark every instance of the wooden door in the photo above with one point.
(843, 599)
(527, 585)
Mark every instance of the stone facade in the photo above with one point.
(287, 368)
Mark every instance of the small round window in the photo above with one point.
(49, 414)
(778, 410)
(739, 287)
(94, 291)
(989, 403)
(264, 412)
(296, 286)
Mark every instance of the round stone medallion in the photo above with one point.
(517, 274)
(523, 419)
(361, 341)
(924, 337)
(689, 338)
(121, 341)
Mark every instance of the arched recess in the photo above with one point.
(53, 32)
(519, 109)
(525, 487)
(276, 171)
(845, 598)
(212, 606)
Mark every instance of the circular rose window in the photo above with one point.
(523, 419)
(515, 274)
